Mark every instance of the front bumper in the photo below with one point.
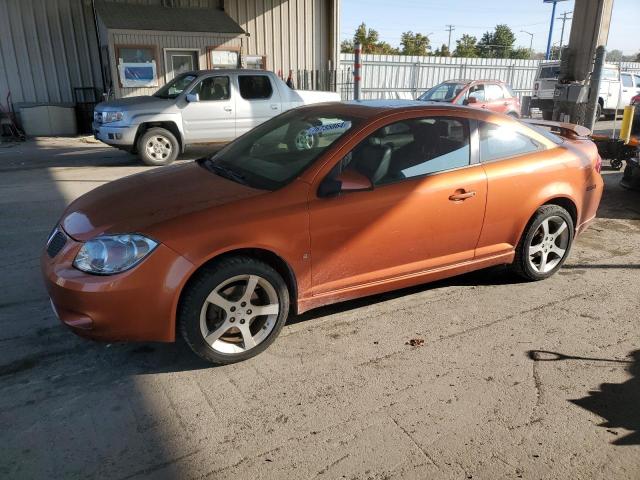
(136, 305)
(117, 136)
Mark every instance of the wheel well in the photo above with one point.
(568, 205)
(143, 127)
(266, 256)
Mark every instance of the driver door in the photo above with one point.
(425, 210)
(212, 118)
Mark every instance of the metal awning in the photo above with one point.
(125, 16)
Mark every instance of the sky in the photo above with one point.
(392, 17)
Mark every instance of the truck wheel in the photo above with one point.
(598, 111)
(158, 146)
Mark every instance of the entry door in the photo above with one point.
(419, 215)
(212, 118)
(180, 61)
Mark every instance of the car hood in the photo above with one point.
(134, 103)
(139, 202)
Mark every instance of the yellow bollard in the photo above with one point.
(627, 123)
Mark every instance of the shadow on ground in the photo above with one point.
(617, 403)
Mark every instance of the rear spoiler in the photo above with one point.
(563, 129)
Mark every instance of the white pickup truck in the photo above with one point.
(616, 89)
(212, 106)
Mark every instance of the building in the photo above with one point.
(68, 53)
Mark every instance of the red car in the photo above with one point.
(491, 95)
(635, 100)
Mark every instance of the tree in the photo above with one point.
(443, 51)
(347, 46)
(414, 44)
(497, 44)
(368, 38)
(614, 56)
(521, 53)
(466, 47)
(369, 41)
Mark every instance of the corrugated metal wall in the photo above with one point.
(47, 47)
(276, 30)
(399, 76)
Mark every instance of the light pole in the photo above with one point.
(531, 42)
(553, 18)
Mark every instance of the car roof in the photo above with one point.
(226, 70)
(468, 81)
(368, 109)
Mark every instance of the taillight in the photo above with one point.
(598, 166)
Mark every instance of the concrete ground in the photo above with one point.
(341, 394)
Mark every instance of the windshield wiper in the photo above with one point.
(226, 172)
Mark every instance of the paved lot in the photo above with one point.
(340, 394)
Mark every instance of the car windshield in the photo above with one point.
(176, 86)
(274, 153)
(445, 92)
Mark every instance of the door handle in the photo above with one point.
(461, 195)
(228, 109)
(275, 107)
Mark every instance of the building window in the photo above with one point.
(256, 62)
(137, 65)
(255, 87)
(223, 58)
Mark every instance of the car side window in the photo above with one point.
(503, 141)
(494, 92)
(478, 92)
(255, 87)
(637, 77)
(212, 89)
(411, 148)
(627, 81)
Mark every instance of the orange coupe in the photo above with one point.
(319, 205)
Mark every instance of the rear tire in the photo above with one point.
(220, 312)
(158, 146)
(545, 244)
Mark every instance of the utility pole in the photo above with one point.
(577, 89)
(531, 42)
(450, 28)
(563, 20)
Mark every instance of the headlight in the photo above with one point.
(108, 117)
(111, 254)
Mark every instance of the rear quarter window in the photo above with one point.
(503, 141)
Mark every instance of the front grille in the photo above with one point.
(56, 243)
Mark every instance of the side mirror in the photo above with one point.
(347, 181)
(193, 97)
(470, 100)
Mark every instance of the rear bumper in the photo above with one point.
(138, 304)
(591, 203)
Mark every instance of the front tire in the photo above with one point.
(233, 310)
(158, 147)
(545, 244)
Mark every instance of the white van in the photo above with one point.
(616, 88)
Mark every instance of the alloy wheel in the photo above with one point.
(549, 244)
(158, 147)
(239, 314)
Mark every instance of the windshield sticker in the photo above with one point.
(330, 127)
